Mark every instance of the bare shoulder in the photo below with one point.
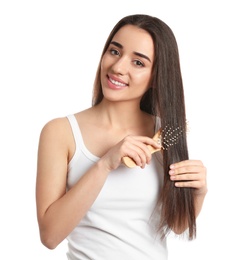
(56, 139)
(57, 133)
(56, 127)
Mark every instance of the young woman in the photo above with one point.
(84, 191)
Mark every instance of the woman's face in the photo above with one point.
(126, 66)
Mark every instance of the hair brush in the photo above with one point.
(166, 137)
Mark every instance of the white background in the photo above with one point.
(49, 52)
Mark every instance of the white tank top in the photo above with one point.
(120, 224)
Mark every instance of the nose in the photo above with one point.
(121, 66)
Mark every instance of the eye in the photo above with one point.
(114, 52)
(139, 63)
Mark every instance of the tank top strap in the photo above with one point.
(75, 130)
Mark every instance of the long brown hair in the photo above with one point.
(164, 99)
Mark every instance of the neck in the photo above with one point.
(124, 115)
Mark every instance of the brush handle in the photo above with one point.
(129, 162)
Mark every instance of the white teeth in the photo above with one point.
(117, 83)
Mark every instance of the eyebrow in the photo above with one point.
(136, 53)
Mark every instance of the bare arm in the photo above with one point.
(58, 211)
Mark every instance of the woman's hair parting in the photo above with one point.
(165, 99)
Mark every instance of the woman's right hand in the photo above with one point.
(134, 147)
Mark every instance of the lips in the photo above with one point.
(116, 84)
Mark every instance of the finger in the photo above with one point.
(186, 163)
(148, 141)
(186, 184)
(190, 184)
(137, 150)
(185, 177)
(133, 158)
(137, 156)
(187, 168)
(128, 162)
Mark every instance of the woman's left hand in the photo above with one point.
(189, 173)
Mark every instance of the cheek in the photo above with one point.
(143, 78)
(105, 62)
(103, 68)
(107, 58)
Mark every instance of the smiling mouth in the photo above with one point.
(117, 83)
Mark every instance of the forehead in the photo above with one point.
(135, 39)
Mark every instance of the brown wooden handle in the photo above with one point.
(129, 162)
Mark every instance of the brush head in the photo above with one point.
(165, 137)
(170, 136)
